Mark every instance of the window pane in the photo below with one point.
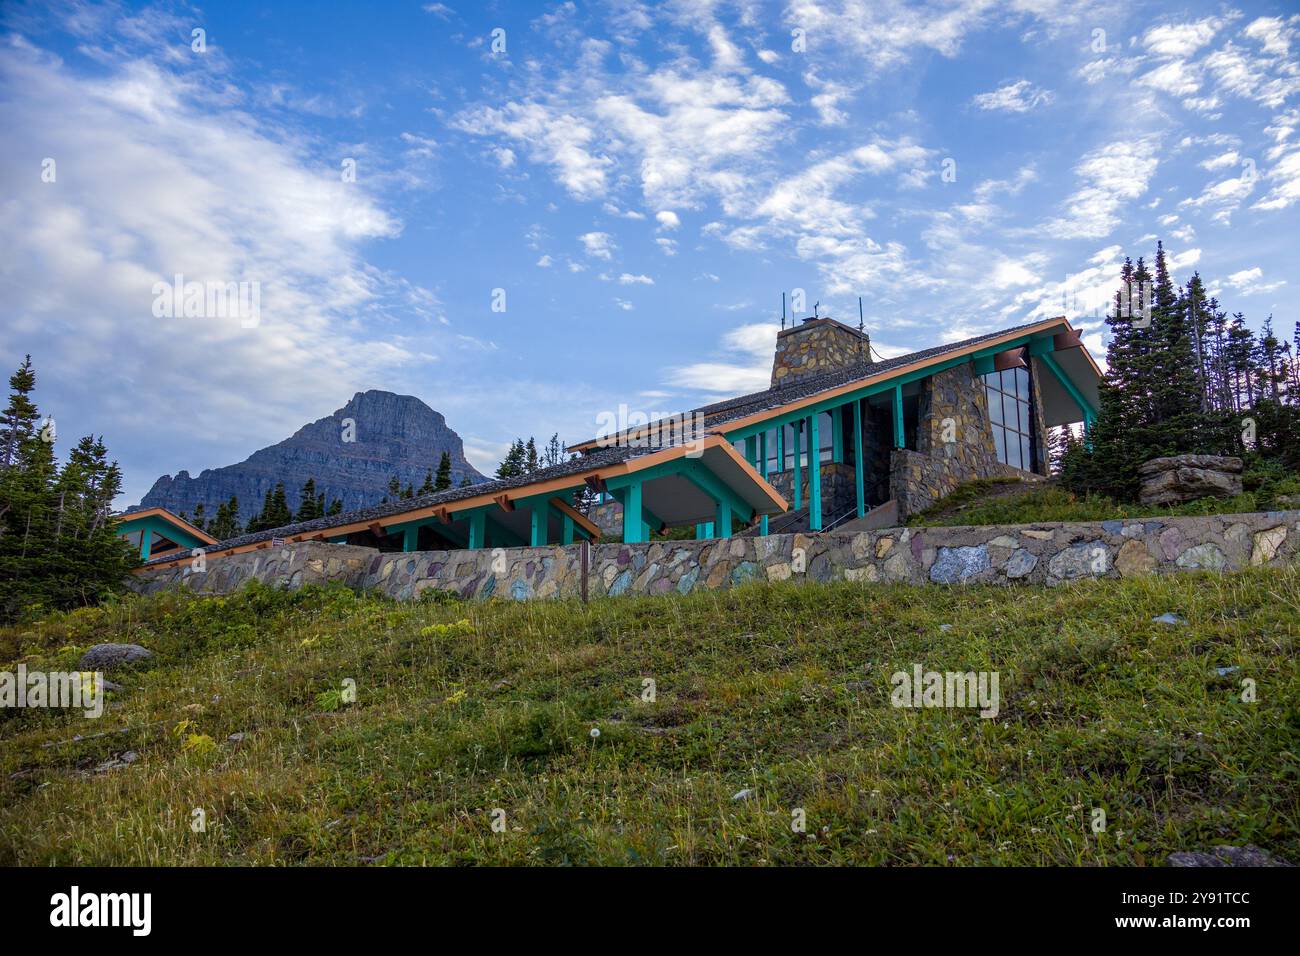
(1009, 381)
(995, 407)
(1022, 383)
(1000, 444)
(1026, 461)
(1024, 417)
(1013, 450)
(1009, 416)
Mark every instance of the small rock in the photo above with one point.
(1020, 564)
(103, 657)
(1225, 671)
(1248, 855)
(1168, 618)
(742, 794)
(958, 565)
(237, 738)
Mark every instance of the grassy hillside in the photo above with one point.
(1010, 501)
(782, 691)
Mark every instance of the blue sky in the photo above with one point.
(641, 181)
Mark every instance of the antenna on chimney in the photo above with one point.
(782, 311)
(861, 325)
(815, 304)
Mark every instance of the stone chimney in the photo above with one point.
(816, 346)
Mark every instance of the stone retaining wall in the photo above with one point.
(1047, 553)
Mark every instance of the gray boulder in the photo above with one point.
(1248, 855)
(1174, 480)
(104, 657)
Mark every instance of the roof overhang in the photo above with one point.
(126, 520)
(1075, 361)
(712, 459)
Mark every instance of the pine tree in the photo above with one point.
(226, 524)
(444, 473)
(58, 543)
(20, 416)
(280, 514)
(308, 506)
(427, 488)
(531, 461)
(513, 465)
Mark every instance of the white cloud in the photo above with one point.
(159, 174)
(1284, 179)
(599, 245)
(1222, 161)
(1018, 97)
(1181, 39)
(1247, 282)
(752, 345)
(1174, 77)
(1111, 176)
(628, 279)
(667, 219)
(561, 140)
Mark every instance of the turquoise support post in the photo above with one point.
(537, 524)
(780, 448)
(857, 457)
(411, 539)
(703, 530)
(632, 521)
(724, 519)
(146, 544)
(762, 452)
(814, 473)
(751, 450)
(798, 466)
(899, 440)
(478, 529)
(837, 434)
(567, 534)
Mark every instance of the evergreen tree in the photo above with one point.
(226, 523)
(58, 543)
(444, 473)
(280, 514)
(20, 415)
(308, 505)
(513, 465)
(427, 488)
(531, 461)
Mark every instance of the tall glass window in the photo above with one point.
(1011, 417)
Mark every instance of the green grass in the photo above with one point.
(1007, 501)
(781, 690)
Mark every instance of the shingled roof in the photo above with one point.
(586, 463)
(721, 412)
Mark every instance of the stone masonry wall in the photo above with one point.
(1048, 553)
(817, 346)
(918, 479)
